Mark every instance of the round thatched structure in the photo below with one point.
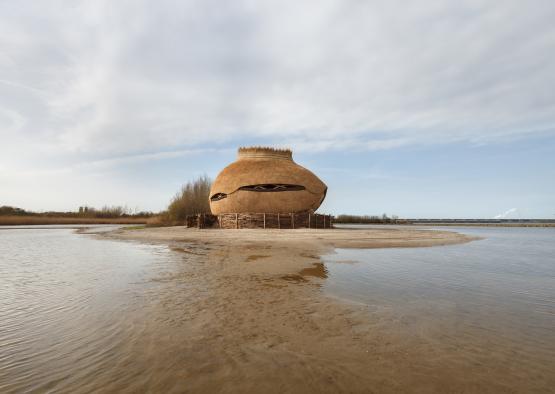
(266, 180)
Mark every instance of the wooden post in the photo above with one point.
(292, 220)
(236, 221)
(220, 220)
(279, 224)
(324, 221)
(264, 220)
(309, 219)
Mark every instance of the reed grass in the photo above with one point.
(37, 219)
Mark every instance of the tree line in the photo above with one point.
(108, 212)
(367, 219)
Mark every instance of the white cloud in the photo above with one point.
(506, 214)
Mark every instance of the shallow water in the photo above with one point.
(499, 290)
(64, 303)
(82, 314)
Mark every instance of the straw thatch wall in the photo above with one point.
(265, 180)
(260, 220)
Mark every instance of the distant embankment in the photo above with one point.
(31, 220)
(384, 219)
(484, 222)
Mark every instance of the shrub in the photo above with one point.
(190, 200)
(13, 211)
(366, 219)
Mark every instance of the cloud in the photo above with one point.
(104, 79)
(148, 157)
(506, 214)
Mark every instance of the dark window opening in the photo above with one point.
(270, 187)
(218, 197)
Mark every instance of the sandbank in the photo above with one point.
(324, 239)
(244, 311)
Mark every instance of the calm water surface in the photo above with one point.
(498, 291)
(72, 307)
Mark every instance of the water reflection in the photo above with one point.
(318, 270)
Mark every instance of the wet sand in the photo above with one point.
(323, 240)
(245, 313)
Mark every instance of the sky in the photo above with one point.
(428, 109)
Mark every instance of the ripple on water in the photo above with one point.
(61, 302)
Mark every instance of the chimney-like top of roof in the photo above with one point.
(264, 152)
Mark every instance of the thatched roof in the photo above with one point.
(266, 166)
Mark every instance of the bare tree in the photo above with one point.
(191, 199)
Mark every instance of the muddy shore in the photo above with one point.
(246, 313)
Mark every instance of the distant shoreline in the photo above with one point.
(46, 220)
(461, 224)
(486, 224)
(17, 220)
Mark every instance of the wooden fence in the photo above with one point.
(260, 220)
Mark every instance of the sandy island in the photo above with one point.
(311, 238)
(244, 312)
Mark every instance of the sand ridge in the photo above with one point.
(322, 239)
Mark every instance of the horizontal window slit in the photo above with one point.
(272, 187)
(218, 197)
